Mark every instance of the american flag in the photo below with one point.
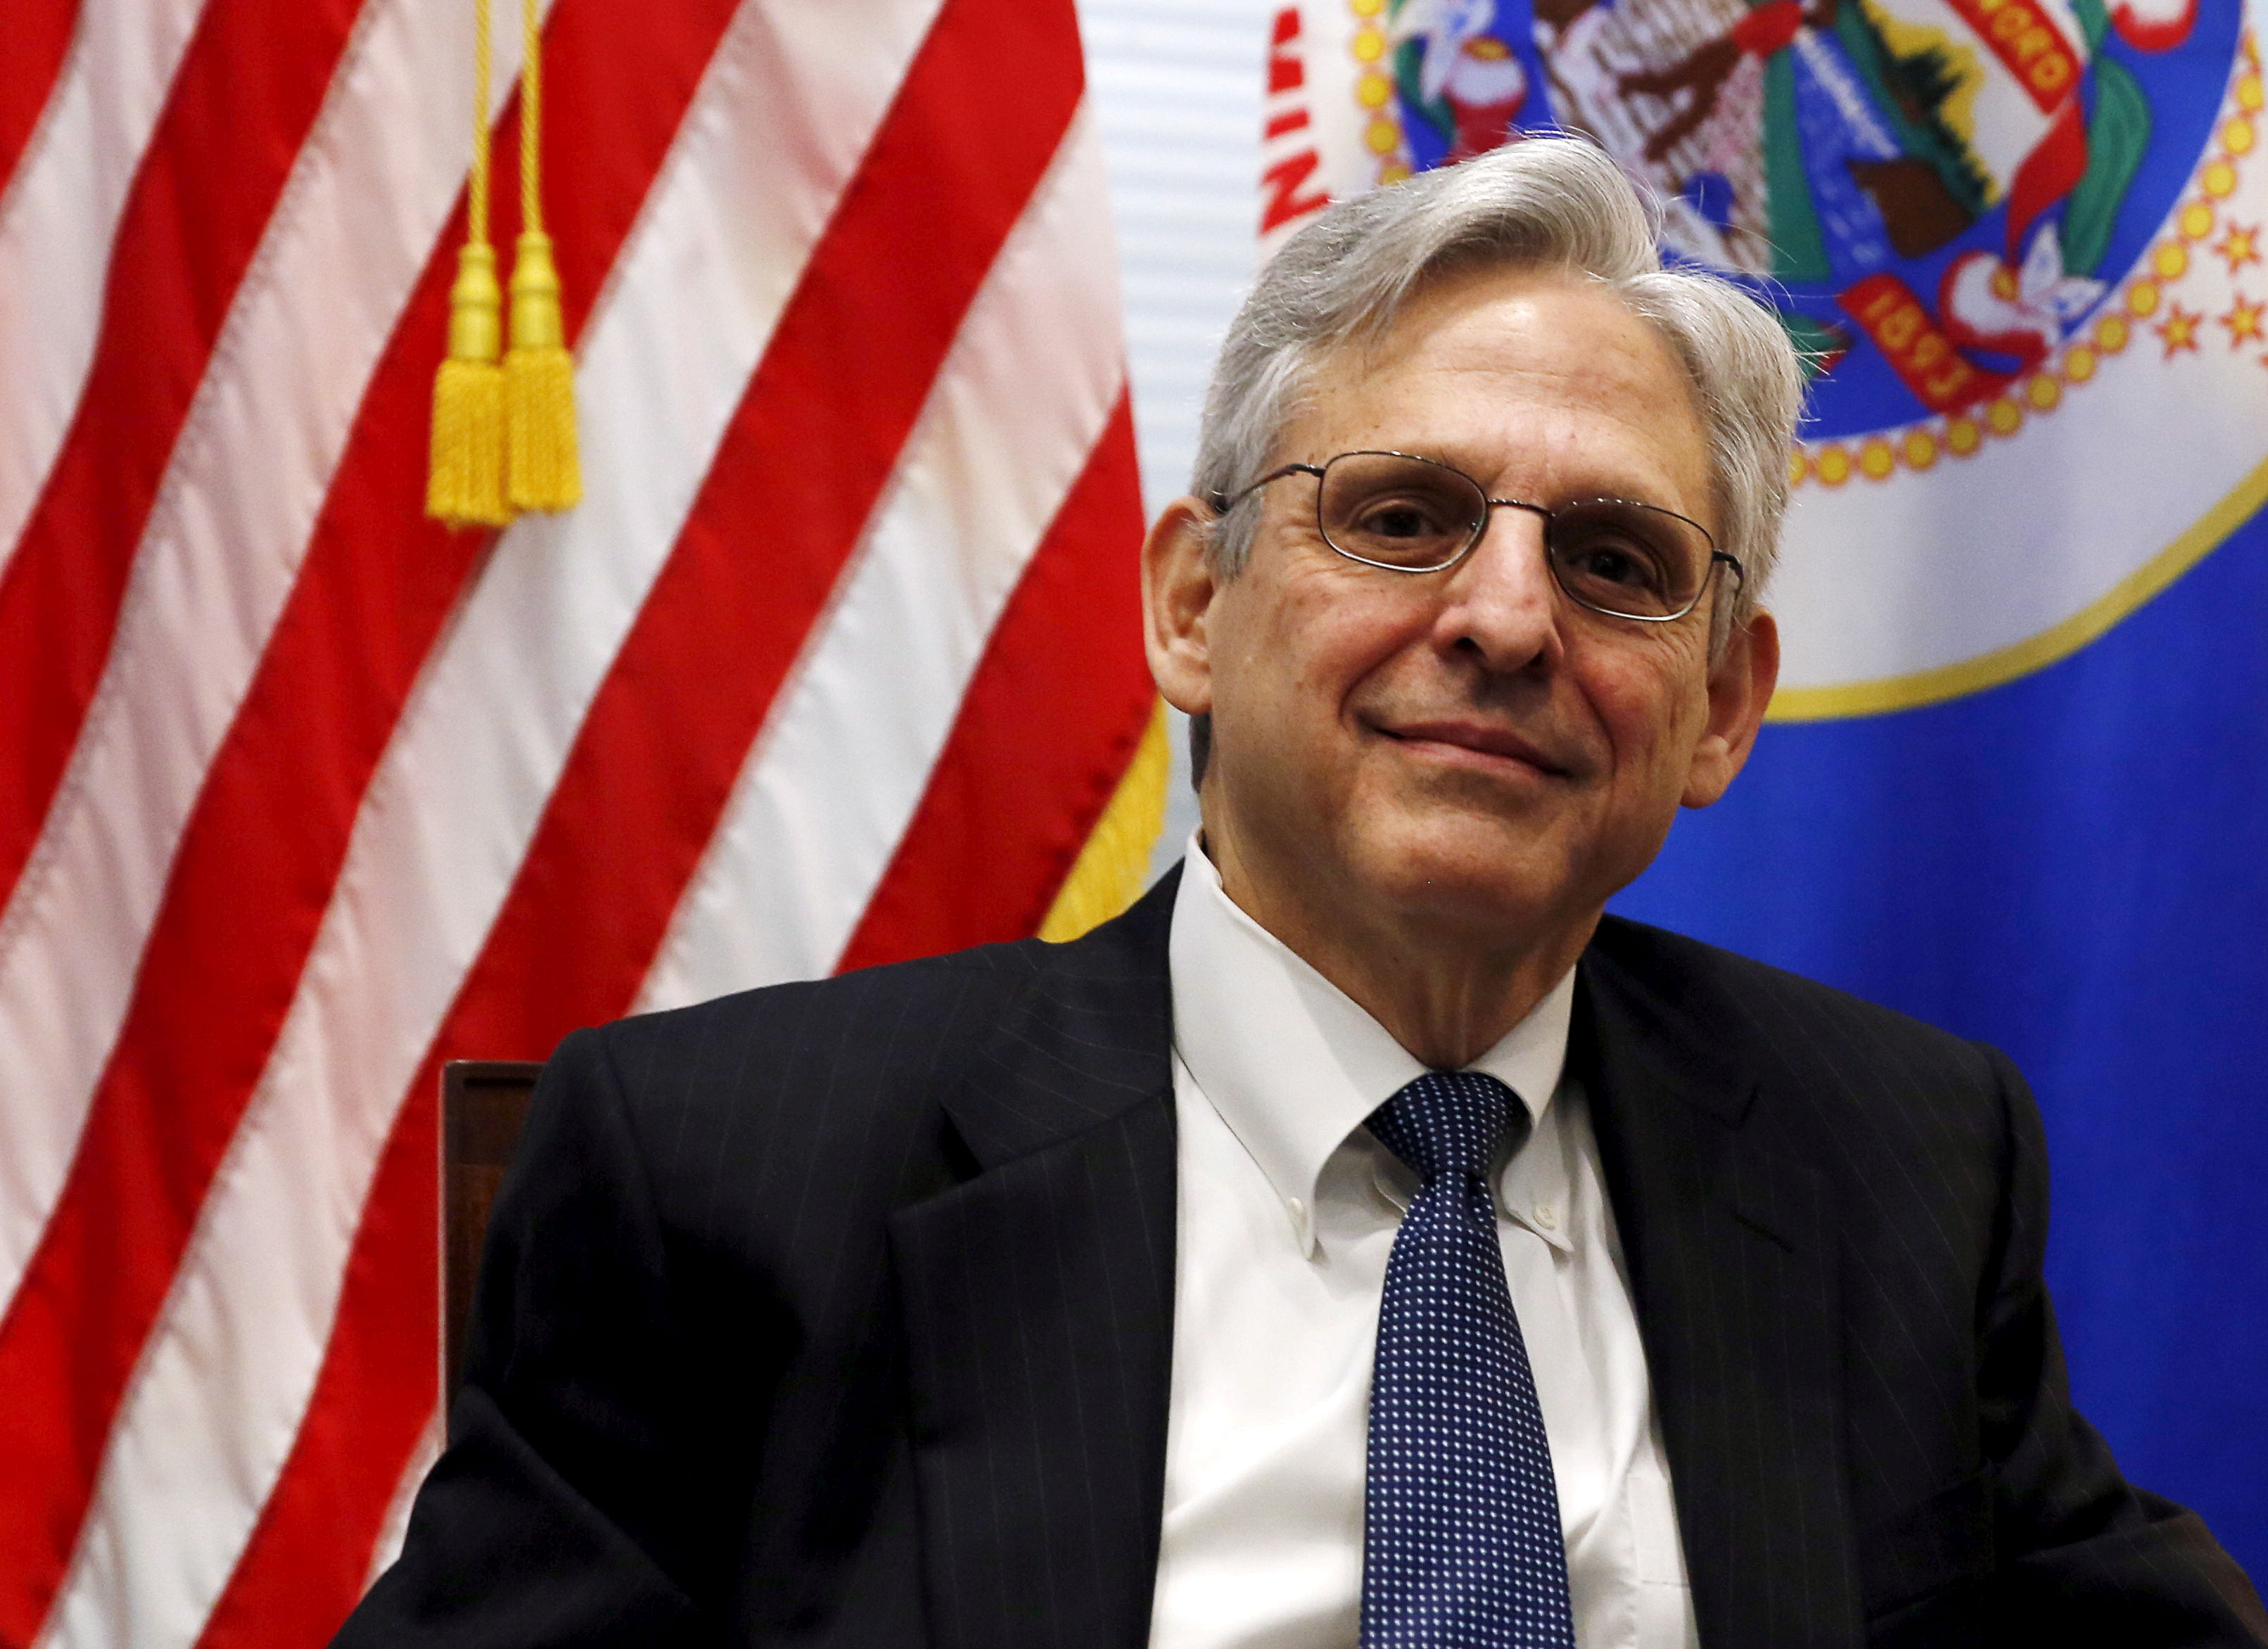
(301, 794)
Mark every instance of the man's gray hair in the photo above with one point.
(1556, 204)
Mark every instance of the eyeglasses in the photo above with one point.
(1408, 514)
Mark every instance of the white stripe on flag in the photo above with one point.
(246, 482)
(232, 1362)
(1017, 407)
(391, 1533)
(58, 220)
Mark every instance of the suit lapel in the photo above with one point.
(1732, 1253)
(1037, 1300)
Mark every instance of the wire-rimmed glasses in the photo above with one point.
(1411, 514)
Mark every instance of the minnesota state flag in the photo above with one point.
(2016, 778)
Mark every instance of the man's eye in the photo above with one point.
(1400, 520)
(1620, 563)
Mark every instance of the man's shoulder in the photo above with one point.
(1781, 1024)
(935, 992)
(1900, 1121)
(904, 1038)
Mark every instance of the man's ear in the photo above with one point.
(1178, 586)
(1740, 687)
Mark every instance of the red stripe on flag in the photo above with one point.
(264, 846)
(1048, 723)
(240, 106)
(303, 1567)
(39, 35)
(847, 372)
(967, 141)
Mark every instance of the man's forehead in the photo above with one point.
(1506, 372)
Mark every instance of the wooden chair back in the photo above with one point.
(483, 1107)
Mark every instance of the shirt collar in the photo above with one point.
(1288, 1060)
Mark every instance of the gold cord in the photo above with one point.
(542, 468)
(530, 114)
(476, 204)
(464, 470)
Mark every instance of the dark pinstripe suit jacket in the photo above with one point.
(840, 1313)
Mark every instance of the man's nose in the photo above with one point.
(1502, 601)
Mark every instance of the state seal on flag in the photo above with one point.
(2013, 238)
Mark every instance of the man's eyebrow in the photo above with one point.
(1661, 491)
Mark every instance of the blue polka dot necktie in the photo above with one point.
(1461, 1535)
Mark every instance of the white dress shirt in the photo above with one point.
(1288, 1209)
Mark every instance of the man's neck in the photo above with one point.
(1445, 993)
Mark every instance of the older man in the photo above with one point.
(1363, 1240)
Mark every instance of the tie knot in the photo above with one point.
(1449, 1121)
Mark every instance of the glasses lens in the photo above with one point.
(1628, 558)
(1399, 512)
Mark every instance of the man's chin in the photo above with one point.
(1486, 891)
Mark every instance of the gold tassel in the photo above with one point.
(539, 386)
(464, 477)
(464, 484)
(542, 470)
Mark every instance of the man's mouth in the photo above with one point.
(1459, 740)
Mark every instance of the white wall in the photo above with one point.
(1176, 86)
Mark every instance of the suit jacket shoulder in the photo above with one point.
(735, 1368)
(1780, 1027)
(887, 1045)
